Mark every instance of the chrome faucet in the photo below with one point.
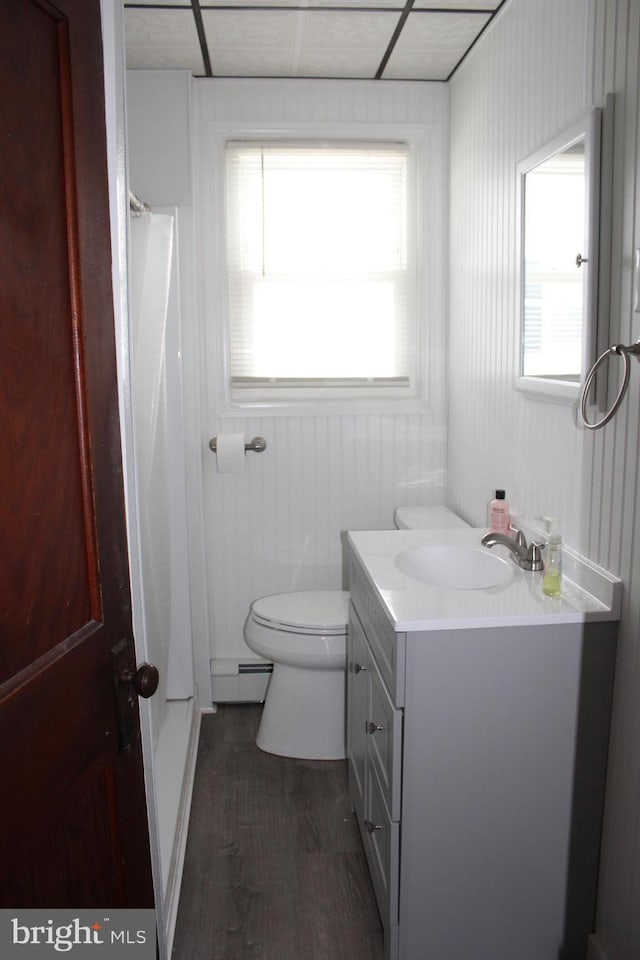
(528, 557)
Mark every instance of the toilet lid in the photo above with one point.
(326, 611)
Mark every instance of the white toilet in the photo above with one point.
(304, 635)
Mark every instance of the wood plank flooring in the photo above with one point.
(274, 867)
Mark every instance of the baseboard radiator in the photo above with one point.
(239, 681)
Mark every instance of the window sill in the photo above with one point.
(551, 391)
(319, 408)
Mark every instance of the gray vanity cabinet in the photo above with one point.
(476, 765)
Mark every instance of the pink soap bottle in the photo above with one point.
(499, 518)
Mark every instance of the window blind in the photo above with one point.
(318, 265)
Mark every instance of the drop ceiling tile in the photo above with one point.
(162, 39)
(252, 29)
(340, 43)
(432, 44)
(353, 63)
(339, 29)
(234, 62)
(156, 3)
(463, 5)
(375, 5)
(294, 43)
(250, 43)
(346, 64)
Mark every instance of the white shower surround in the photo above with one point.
(156, 390)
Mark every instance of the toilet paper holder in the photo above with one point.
(257, 445)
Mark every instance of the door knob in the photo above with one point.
(127, 682)
(145, 679)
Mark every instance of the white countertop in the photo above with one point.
(589, 592)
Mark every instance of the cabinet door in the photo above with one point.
(359, 668)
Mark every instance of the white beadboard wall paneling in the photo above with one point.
(609, 528)
(616, 494)
(535, 69)
(525, 82)
(279, 525)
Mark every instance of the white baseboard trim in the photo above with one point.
(595, 950)
(174, 880)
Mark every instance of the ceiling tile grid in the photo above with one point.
(334, 39)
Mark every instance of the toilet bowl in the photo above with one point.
(304, 635)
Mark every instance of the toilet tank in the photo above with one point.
(427, 518)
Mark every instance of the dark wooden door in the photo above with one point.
(73, 827)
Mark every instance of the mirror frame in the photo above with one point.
(588, 127)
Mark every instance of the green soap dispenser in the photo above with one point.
(552, 582)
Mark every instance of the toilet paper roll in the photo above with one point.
(230, 452)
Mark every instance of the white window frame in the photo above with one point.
(426, 192)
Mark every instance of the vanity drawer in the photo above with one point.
(383, 734)
(388, 647)
(381, 840)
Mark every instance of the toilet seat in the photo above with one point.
(320, 613)
(305, 637)
(307, 630)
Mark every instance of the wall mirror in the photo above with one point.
(559, 194)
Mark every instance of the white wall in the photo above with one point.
(538, 66)
(522, 85)
(277, 526)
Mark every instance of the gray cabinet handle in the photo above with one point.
(357, 667)
(372, 727)
(372, 827)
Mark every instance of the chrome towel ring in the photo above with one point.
(620, 350)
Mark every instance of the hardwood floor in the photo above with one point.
(274, 868)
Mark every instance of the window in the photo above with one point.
(321, 273)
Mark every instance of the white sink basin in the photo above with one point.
(455, 567)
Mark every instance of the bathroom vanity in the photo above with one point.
(477, 733)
